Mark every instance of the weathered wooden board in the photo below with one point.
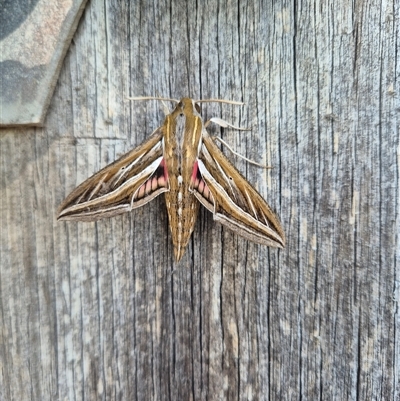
(101, 311)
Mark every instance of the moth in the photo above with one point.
(181, 160)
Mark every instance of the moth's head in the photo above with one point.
(188, 105)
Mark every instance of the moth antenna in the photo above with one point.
(220, 101)
(239, 155)
(167, 99)
(163, 100)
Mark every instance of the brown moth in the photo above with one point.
(183, 161)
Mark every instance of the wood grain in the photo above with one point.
(101, 311)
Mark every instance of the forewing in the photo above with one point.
(129, 182)
(220, 187)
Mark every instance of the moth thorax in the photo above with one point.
(180, 131)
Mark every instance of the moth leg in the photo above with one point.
(239, 155)
(224, 124)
